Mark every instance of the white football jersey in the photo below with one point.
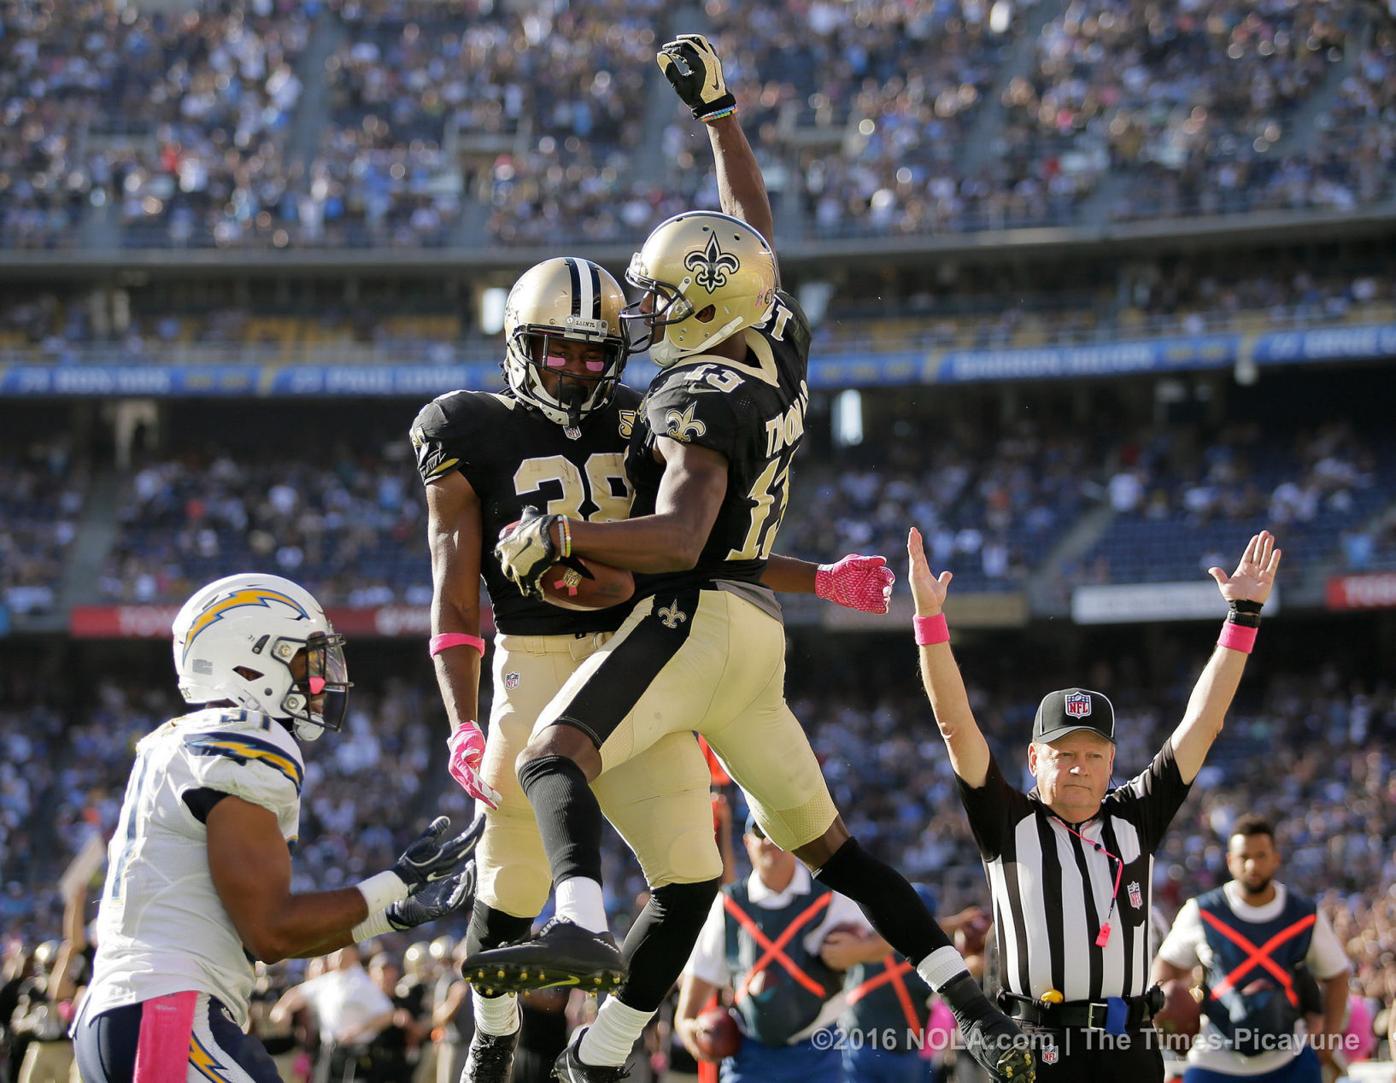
(161, 927)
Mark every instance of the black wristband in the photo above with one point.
(1244, 612)
(714, 110)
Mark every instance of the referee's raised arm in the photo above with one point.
(1245, 590)
(945, 688)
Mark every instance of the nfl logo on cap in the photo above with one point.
(1078, 705)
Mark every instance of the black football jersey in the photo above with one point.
(753, 412)
(513, 457)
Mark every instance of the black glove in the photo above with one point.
(527, 550)
(692, 67)
(436, 900)
(433, 858)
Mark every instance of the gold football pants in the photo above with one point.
(659, 801)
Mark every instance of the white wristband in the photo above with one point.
(373, 925)
(381, 890)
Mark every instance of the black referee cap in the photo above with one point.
(1071, 709)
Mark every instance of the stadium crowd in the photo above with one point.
(352, 534)
(993, 504)
(41, 498)
(966, 311)
(197, 127)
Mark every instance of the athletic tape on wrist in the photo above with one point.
(373, 925)
(381, 890)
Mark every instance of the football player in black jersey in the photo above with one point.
(704, 648)
(556, 437)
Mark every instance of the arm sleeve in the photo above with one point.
(257, 769)
(1179, 947)
(993, 809)
(696, 412)
(1326, 957)
(438, 441)
(709, 959)
(1152, 798)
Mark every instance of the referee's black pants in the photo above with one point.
(1092, 1056)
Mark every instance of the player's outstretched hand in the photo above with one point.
(436, 900)
(526, 550)
(693, 69)
(927, 589)
(856, 582)
(433, 857)
(467, 750)
(1254, 577)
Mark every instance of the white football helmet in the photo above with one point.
(263, 643)
(564, 298)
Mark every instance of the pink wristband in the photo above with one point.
(446, 640)
(931, 630)
(1237, 637)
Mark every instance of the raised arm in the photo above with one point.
(692, 66)
(969, 752)
(1245, 590)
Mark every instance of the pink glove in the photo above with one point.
(856, 582)
(467, 747)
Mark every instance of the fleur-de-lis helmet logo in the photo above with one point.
(711, 267)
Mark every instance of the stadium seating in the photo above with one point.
(437, 123)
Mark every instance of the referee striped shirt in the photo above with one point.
(1052, 888)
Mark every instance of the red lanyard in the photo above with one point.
(1103, 937)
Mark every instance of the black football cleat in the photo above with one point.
(491, 1058)
(561, 955)
(1000, 1048)
(568, 1068)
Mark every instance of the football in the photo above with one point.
(574, 583)
(717, 1034)
(1181, 1013)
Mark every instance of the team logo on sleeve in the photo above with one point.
(711, 267)
(683, 426)
(1078, 705)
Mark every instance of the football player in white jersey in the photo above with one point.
(199, 871)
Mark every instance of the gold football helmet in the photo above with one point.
(572, 299)
(706, 276)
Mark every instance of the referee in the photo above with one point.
(1070, 864)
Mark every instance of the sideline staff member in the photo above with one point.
(1270, 959)
(1070, 864)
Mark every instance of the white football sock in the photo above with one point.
(496, 1015)
(609, 1040)
(580, 901)
(941, 966)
